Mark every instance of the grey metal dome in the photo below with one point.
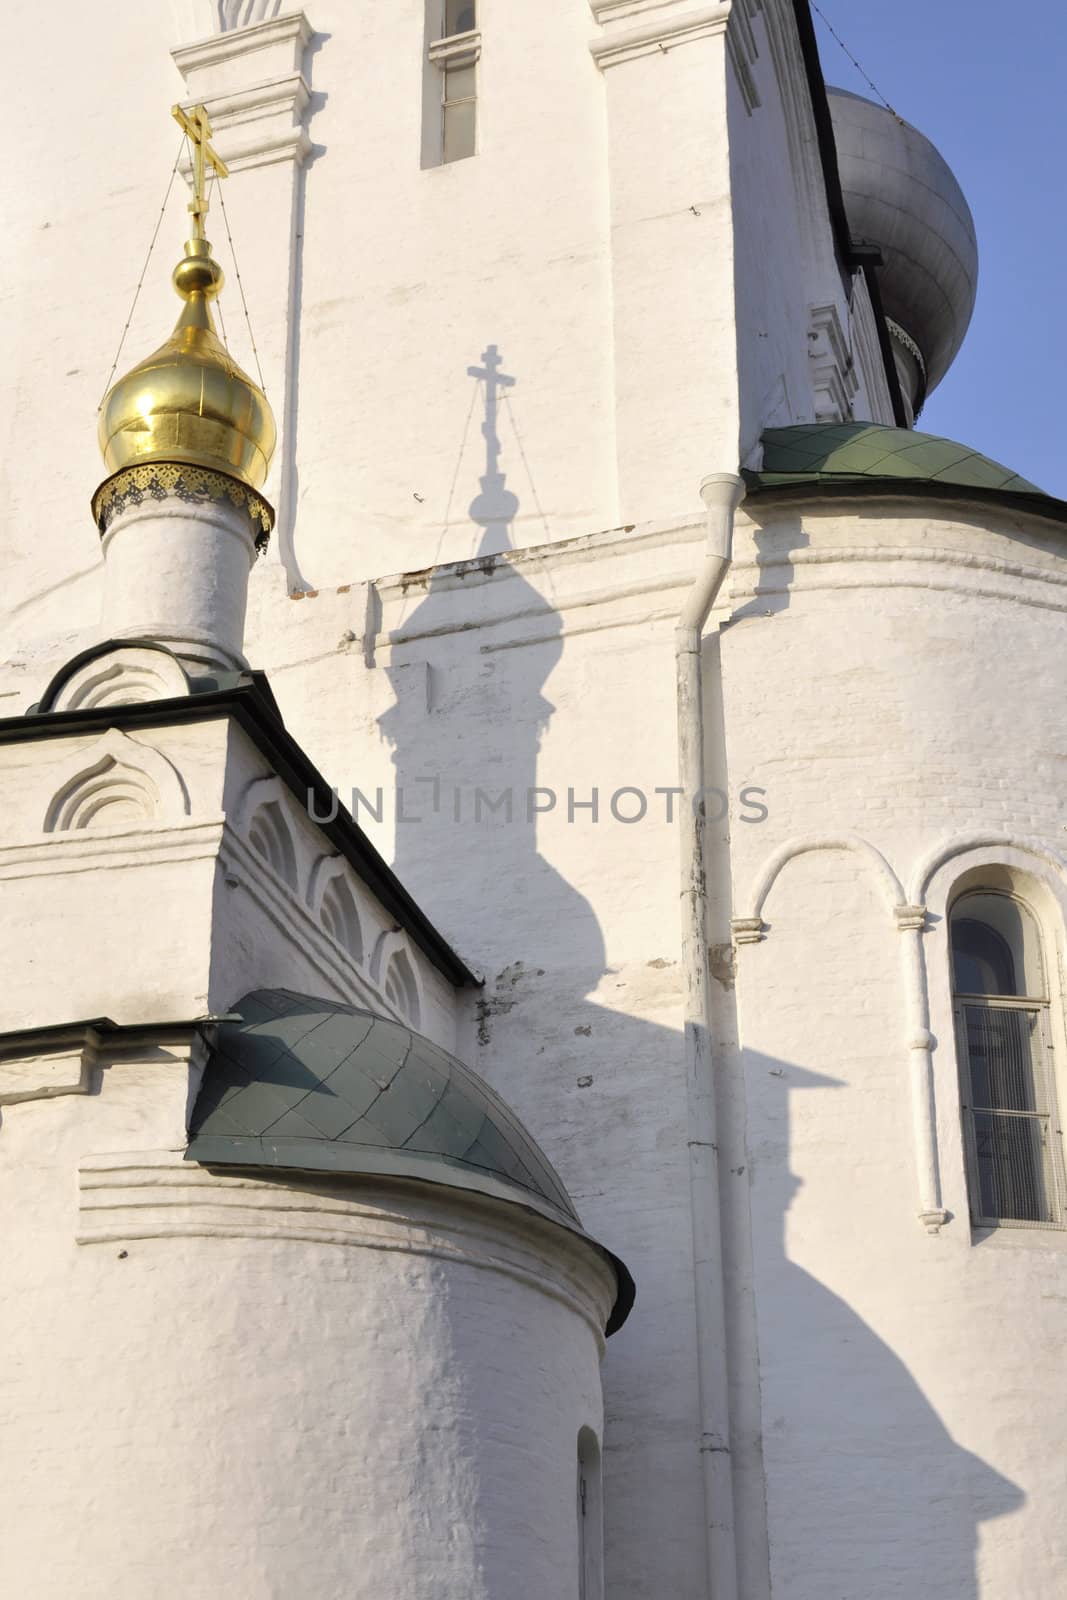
(901, 196)
(313, 1085)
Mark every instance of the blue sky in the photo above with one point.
(988, 84)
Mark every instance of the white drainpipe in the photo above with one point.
(722, 493)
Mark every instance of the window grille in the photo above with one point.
(1012, 1137)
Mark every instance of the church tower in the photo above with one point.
(185, 430)
(296, 1305)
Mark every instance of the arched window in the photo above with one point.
(590, 1519)
(1011, 1126)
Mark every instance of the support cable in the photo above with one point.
(869, 81)
(218, 298)
(140, 282)
(241, 287)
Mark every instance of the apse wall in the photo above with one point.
(890, 675)
(280, 1386)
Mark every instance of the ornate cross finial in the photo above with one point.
(196, 125)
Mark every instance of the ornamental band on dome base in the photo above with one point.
(195, 485)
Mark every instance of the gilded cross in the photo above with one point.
(196, 125)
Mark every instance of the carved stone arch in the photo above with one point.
(269, 836)
(972, 844)
(750, 928)
(396, 974)
(401, 987)
(340, 917)
(261, 819)
(917, 1041)
(199, 19)
(121, 675)
(331, 900)
(1031, 872)
(233, 14)
(118, 783)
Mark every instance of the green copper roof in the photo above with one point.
(844, 452)
(316, 1086)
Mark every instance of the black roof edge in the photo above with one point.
(865, 487)
(105, 646)
(82, 659)
(824, 129)
(253, 707)
(852, 255)
(103, 1027)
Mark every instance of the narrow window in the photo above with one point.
(460, 17)
(1011, 1127)
(454, 46)
(458, 112)
(590, 1519)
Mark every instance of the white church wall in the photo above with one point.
(675, 354)
(277, 916)
(576, 921)
(522, 673)
(408, 273)
(592, 240)
(773, 265)
(109, 827)
(178, 573)
(554, 243)
(87, 197)
(906, 1346)
(100, 830)
(807, 347)
(219, 1382)
(81, 935)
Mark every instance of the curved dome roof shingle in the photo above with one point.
(314, 1085)
(837, 456)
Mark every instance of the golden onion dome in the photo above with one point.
(190, 402)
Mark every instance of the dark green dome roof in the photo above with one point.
(844, 454)
(313, 1085)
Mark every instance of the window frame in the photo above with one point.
(1046, 1011)
(456, 33)
(589, 1510)
(445, 53)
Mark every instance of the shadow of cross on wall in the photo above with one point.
(870, 1496)
(466, 729)
(470, 714)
